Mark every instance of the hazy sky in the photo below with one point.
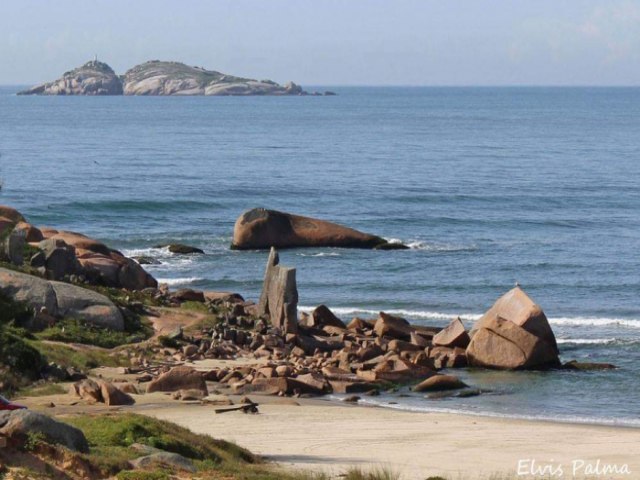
(330, 42)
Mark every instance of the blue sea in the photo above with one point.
(489, 186)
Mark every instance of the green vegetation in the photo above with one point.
(379, 473)
(77, 331)
(43, 390)
(80, 358)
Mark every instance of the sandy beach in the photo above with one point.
(321, 435)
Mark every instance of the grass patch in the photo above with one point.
(43, 390)
(379, 473)
(77, 331)
(195, 306)
(81, 359)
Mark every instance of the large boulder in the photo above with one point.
(179, 378)
(61, 299)
(261, 228)
(513, 334)
(111, 395)
(279, 298)
(18, 424)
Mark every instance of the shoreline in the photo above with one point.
(413, 444)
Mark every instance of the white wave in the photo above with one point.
(596, 322)
(433, 408)
(397, 311)
(431, 315)
(587, 341)
(321, 254)
(179, 281)
(433, 246)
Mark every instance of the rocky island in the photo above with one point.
(157, 77)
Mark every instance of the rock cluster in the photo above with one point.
(260, 228)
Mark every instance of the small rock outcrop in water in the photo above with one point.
(159, 78)
(513, 334)
(279, 298)
(92, 78)
(261, 228)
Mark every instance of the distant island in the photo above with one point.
(157, 77)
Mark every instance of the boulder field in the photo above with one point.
(260, 228)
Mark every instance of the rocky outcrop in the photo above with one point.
(261, 228)
(279, 298)
(513, 334)
(159, 78)
(174, 78)
(61, 299)
(99, 264)
(17, 425)
(92, 78)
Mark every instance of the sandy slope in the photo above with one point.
(321, 435)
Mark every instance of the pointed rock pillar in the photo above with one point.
(279, 298)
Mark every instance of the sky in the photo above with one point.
(331, 42)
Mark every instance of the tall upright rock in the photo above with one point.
(279, 298)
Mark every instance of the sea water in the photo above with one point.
(489, 186)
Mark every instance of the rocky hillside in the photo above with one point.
(159, 78)
(92, 78)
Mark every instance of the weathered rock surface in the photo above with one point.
(261, 228)
(92, 78)
(179, 378)
(513, 334)
(173, 78)
(61, 299)
(158, 78)
(164, 459)
(454, 335)
(111, 395)
(18, 424)
(437, 383)
(97, 262)
(279, 298)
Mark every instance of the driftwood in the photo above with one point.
(244, 407)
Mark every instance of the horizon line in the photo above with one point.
(435, 85)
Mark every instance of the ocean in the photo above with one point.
(489, 186)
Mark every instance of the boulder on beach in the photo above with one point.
(179, 378)
(261, 228)
(513, 334)
(438, 383)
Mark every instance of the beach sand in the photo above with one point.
(327, 436)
